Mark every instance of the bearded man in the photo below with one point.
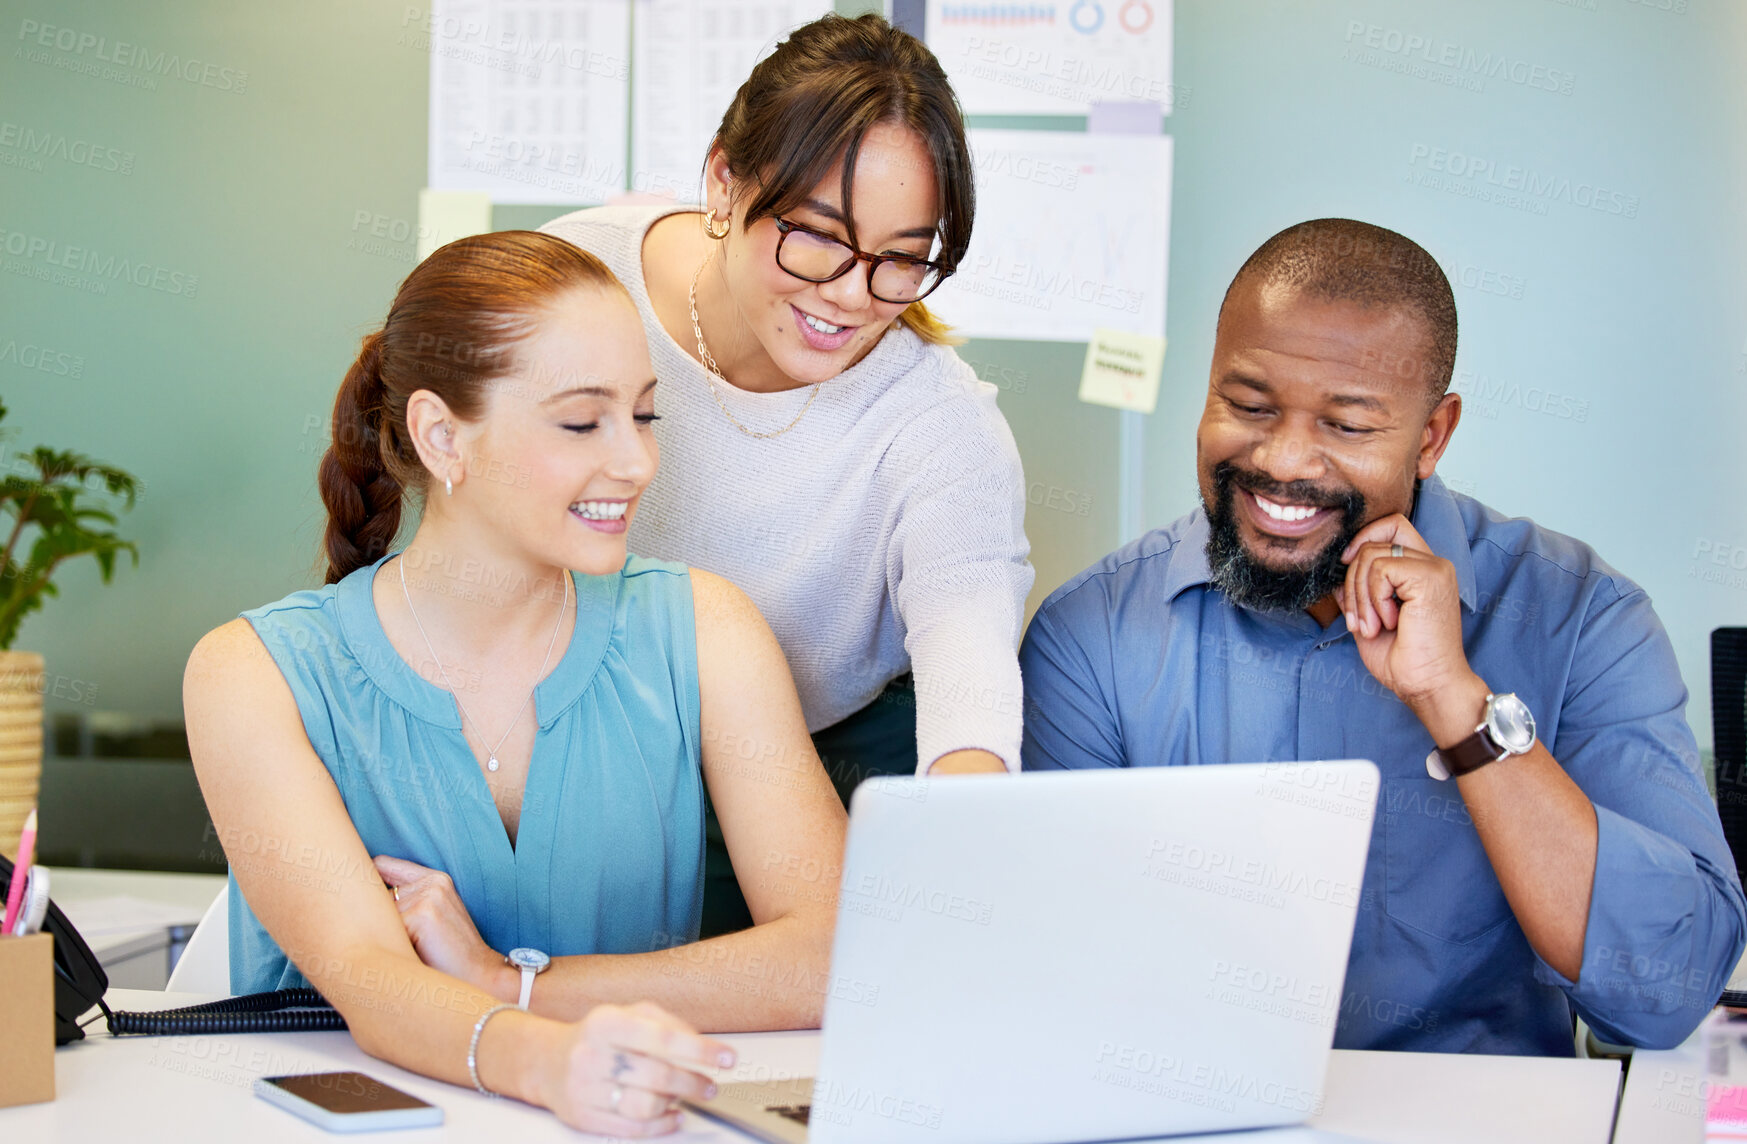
(1544, 843)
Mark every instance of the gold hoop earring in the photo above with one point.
(710, 225)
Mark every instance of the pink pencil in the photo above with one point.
(20, 871)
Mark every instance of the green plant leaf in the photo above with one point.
(68, 501)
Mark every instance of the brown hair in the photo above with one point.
(813, 100)
(452, 328)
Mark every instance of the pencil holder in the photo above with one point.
(27, 1020)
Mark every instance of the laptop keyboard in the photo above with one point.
(796, 1112)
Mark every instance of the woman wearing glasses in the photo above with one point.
(829, 453)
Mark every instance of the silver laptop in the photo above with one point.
(1082, 956)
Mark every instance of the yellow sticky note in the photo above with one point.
(445, 216)
(1122, 370)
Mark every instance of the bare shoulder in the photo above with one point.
(719, 603)
(229, 659)
(243, 722)
(229, 645)
(732, 634)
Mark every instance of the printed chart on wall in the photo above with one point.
(1073, 234)
(1023, 58)
(691, 57)
(529, 98)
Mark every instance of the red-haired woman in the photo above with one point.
(832, 455)
(470, 764)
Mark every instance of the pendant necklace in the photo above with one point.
(491, 763)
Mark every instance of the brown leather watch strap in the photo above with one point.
(1471, 753)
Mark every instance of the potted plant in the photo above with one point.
(54, 506)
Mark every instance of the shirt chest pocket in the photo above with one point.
(1437, 878)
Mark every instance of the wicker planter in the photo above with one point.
(21, 684)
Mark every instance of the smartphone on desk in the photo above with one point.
(347, 1102)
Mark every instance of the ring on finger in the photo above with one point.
(618, 1094)
(621, 1065)
(396, 890)
(1396, 551)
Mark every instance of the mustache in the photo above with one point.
(1227, 475)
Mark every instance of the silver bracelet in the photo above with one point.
(473, 1046)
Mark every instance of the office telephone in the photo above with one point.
(79, 979)
(80, 984)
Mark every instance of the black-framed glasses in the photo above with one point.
(814, 256)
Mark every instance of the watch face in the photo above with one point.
(528, 959)
(1511, 724)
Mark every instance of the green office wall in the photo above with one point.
(280, 191)
(270, 194)
(247, 184)
(1603, 352)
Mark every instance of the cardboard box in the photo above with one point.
(27, 1020)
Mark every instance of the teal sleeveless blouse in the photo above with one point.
(609, 851)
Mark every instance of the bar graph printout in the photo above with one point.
(529, 98)
(1017, 57)
(1073, 234)
(691, 57)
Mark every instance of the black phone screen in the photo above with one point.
(346, 1092)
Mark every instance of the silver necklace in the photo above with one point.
(491, 763)
(711, 367)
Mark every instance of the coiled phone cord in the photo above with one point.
(282, 1011)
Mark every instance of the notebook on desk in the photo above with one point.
(1082, 956)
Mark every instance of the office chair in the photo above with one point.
(1729, 728)
(205, 965)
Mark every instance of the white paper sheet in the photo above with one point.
(529, 98)
(1073, 233)
(691, 57)
(1021, 58)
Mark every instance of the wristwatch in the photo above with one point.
(1506, 728)
(532, 963)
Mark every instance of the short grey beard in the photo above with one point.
(1251, 584)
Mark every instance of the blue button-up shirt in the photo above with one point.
(1139, 661)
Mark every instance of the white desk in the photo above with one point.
(1430, 1098)
(1663, 1101)
(133, 920)
(199, 1088)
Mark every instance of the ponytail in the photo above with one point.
(362, 496)
(920, 320)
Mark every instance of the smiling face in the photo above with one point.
(812, 331)
(565, 448)
(1317, 423)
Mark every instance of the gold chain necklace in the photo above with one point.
(710, 367)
